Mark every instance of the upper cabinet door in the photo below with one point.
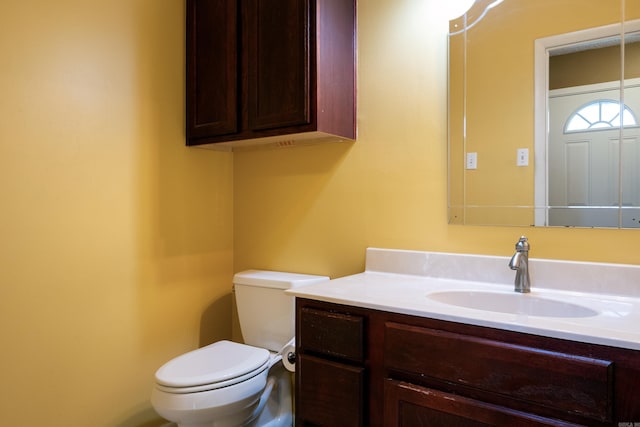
(278, 63)
(212, 68)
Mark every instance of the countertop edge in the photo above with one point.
(326, 292)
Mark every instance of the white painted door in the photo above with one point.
(584, 170)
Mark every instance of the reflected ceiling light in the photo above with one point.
(456, 8)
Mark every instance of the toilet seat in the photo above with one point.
(218, 365)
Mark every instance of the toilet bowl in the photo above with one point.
(225, 382)
(228, 384)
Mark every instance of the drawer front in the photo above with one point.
(331, 394)
(568, 383)
(407, 405)
(333, 334)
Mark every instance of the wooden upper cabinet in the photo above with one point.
(270, 71)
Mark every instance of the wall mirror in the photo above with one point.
(544, 113)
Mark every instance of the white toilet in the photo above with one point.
(227, 384)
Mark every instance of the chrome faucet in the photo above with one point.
(520, 263)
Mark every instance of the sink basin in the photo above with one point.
(514, 303)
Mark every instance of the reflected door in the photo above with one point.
(584, 158)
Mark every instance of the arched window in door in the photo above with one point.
(600, 114)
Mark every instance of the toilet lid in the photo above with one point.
(220, 361)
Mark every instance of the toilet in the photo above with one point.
(228, 384)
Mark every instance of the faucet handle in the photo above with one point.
(523, 244)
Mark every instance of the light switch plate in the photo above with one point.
(523, 157)
(472, 160)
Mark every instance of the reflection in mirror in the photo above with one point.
(590, 174)
(501, 80)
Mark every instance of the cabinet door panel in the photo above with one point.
(279, 59)
(212, 68)
(407, 405)
(552, 380)
(331, 394)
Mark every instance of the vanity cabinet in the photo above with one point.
(269, 71)
(421, 371)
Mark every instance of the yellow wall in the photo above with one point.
(117, 242)
(315, 209)
(115, 239)
(593, 66)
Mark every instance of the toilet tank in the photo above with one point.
(266, 313)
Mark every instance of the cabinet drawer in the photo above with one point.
(564, 382)
(409, 405)
(332, 394)
(332, 334)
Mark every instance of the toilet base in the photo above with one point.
(278, 412)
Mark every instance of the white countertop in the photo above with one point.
(385, 286)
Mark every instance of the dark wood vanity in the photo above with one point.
(363, 367)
